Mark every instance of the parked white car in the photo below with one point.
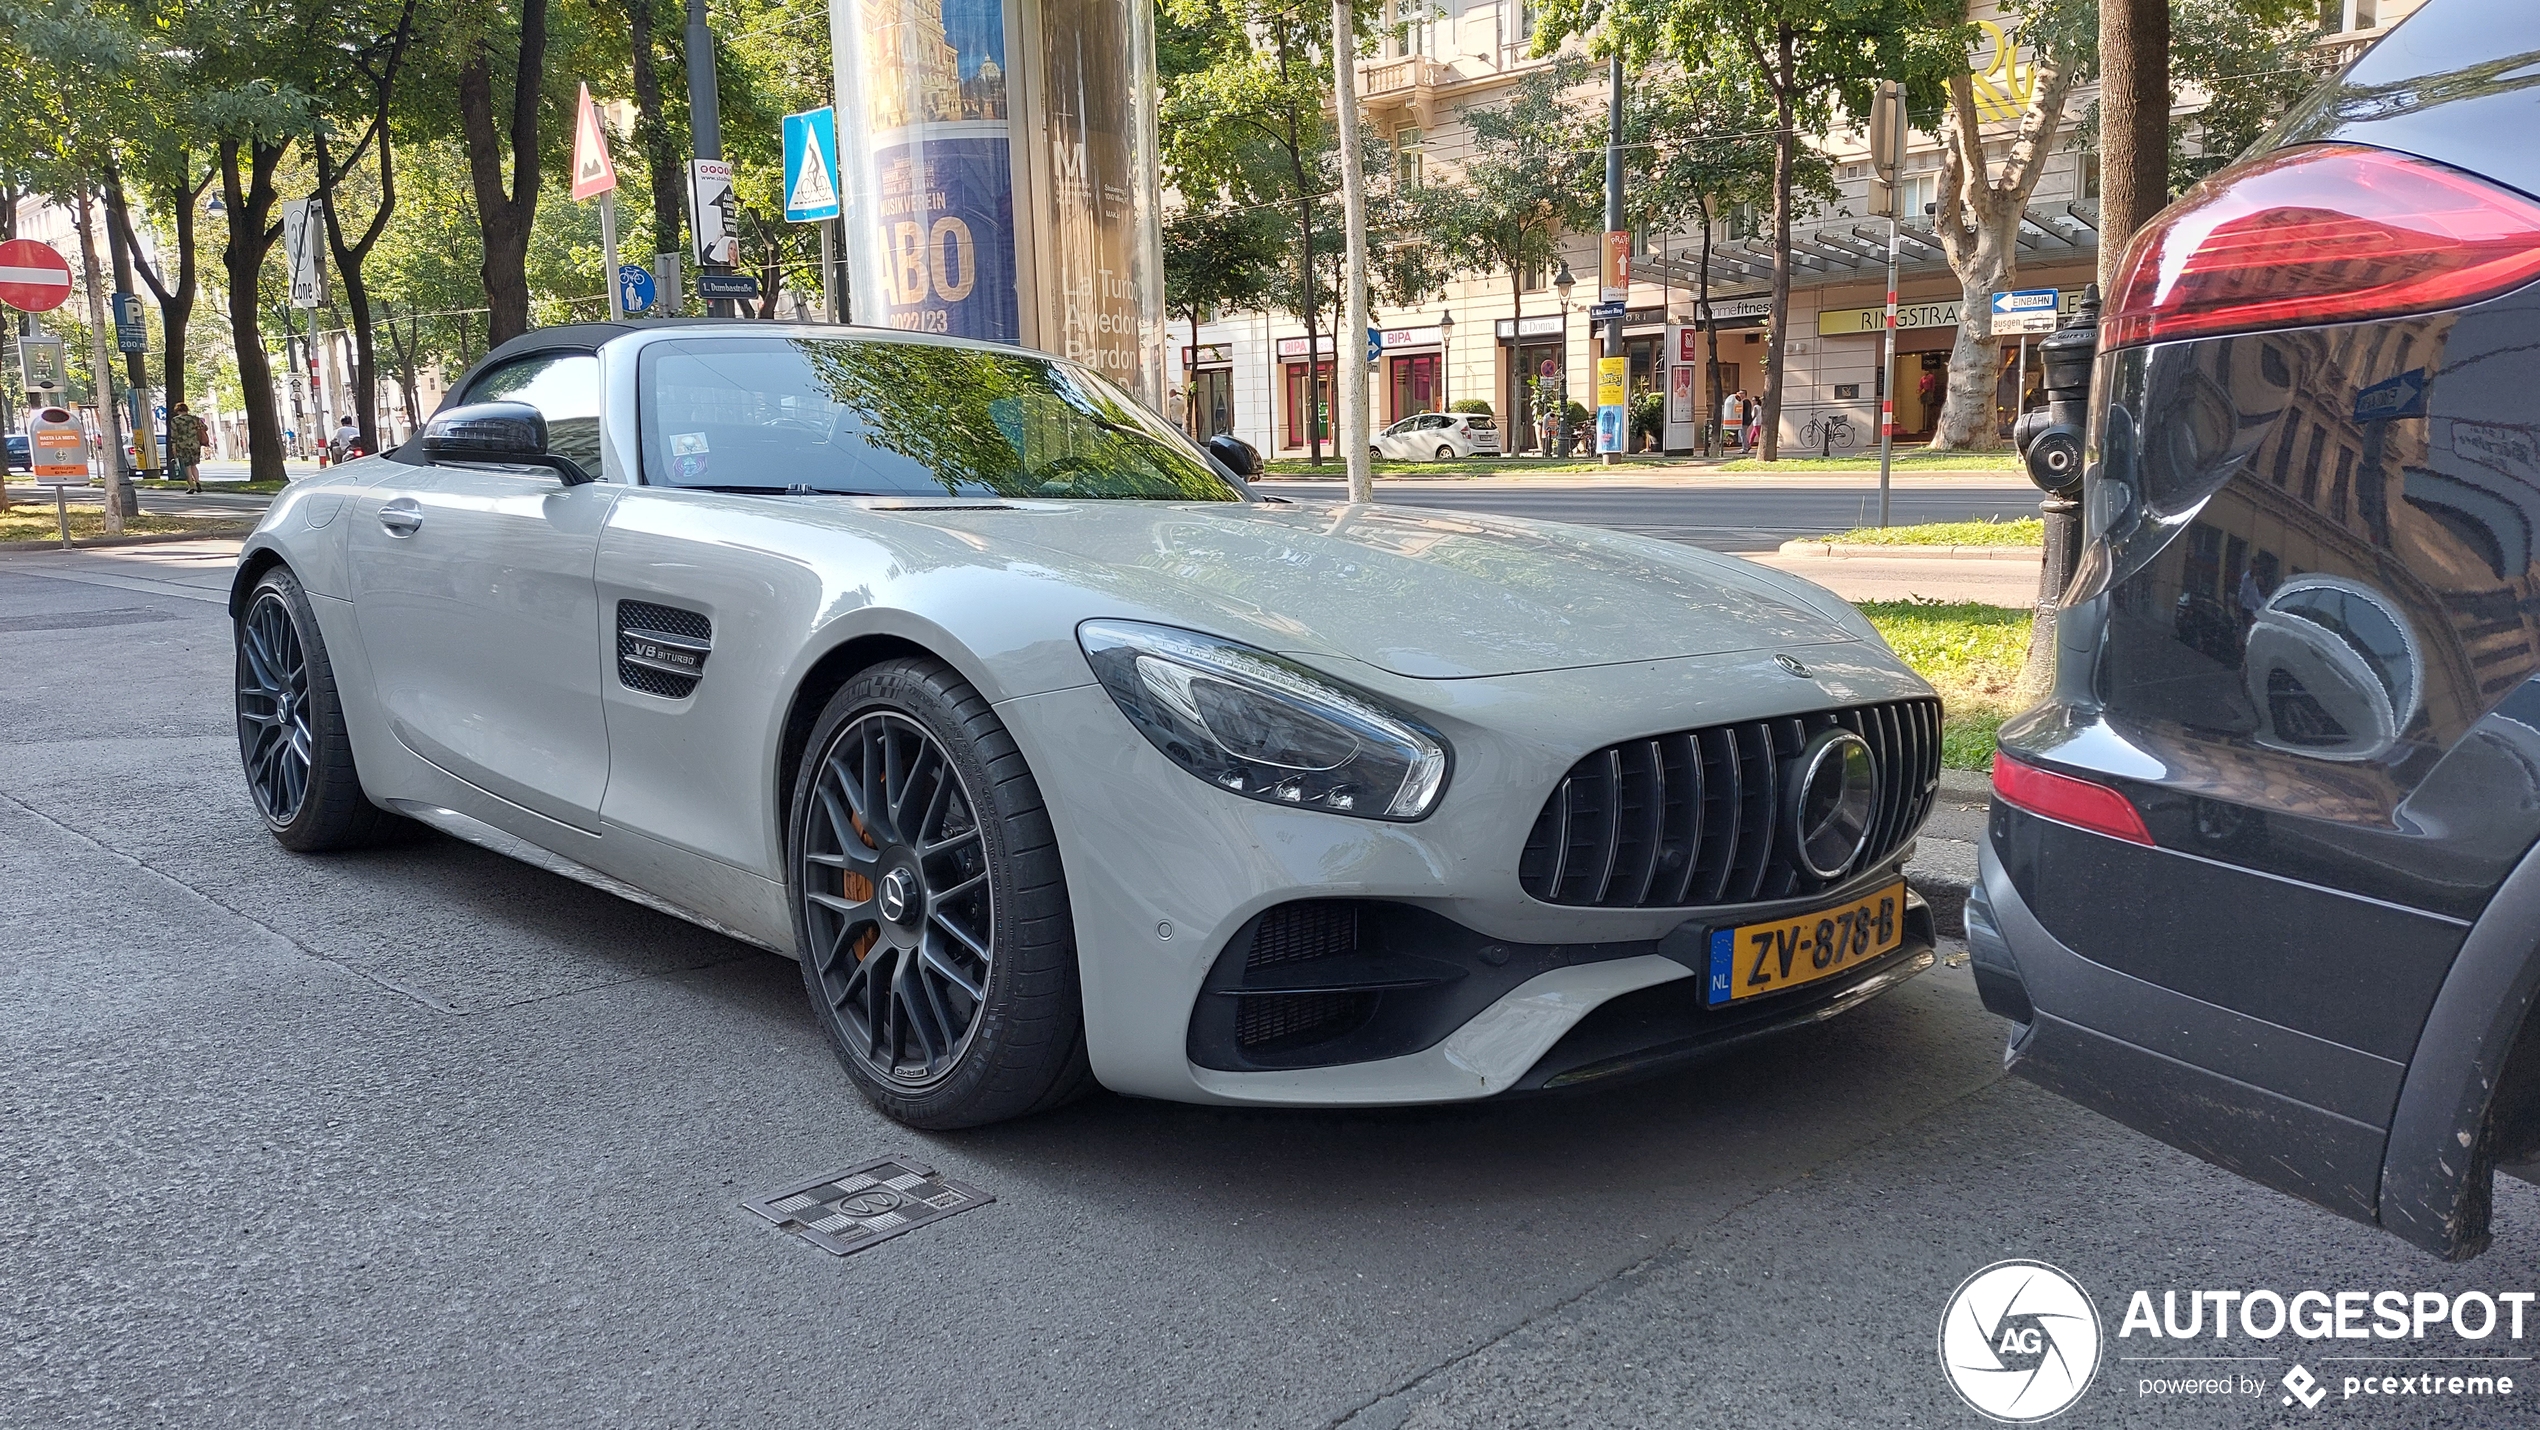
(1059, 756)
(1438, 437)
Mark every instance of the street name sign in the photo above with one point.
(33, 278)
(727, 285)
(811, 165)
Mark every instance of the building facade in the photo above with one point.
(1251, 373)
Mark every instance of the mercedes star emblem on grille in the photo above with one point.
(1832, 802)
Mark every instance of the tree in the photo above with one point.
(1980, 207)
(1806, 60)
(376, 59)
(1247, 120)
(653, 134)
(505, 208)
(1217, 256)
(1531, 173)
(1699, 148)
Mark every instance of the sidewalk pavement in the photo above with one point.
(1992, 581)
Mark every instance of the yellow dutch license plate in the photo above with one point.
(1755, 959)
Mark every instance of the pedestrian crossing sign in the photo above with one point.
(811, 165)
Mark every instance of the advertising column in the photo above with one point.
(998, 171)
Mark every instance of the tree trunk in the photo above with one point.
(1350, 394)
(1714, 397)
(249, 201)
(504, 216)
(652, 131)
(1785, 159)
(176, 302)
(101, 366)
(1521, 423)
(2134, 123)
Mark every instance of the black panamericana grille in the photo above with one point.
(1694, 818)
(636, 620)
(1288, 934)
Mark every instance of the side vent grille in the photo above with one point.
(1692, 818)
(1288, 934)
(661, 650)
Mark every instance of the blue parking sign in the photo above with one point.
(811, 165)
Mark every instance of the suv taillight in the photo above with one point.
(2327, 233)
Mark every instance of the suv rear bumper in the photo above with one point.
(2283, 1108)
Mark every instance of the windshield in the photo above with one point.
(874, 417)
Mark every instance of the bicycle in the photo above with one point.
(1829, 434)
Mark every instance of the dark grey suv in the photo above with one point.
(2259, 876)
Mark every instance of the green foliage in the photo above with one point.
(1972, 654)
(2019, 531)
(1473, 405)
(1219, 256)
(1533, 171)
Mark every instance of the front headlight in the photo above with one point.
(1263, 726)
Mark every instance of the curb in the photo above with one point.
(94, 543)
(1840, 550)
(1945, 889)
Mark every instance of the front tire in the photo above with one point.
(1445, 453)
(291, 737)
(930, 908)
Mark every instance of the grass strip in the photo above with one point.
(1972, 654)
(2019, 531)
(29, 521)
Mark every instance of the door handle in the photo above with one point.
(402, 517)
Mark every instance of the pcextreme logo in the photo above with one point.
(2019, 1341)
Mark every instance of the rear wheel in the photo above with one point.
(291, 738)
(929, 905)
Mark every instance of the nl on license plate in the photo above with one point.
(1755, 959)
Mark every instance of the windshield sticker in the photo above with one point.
(688, 455)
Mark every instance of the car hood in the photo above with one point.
(1425, 593)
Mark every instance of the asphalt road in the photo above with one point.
(1722, 513)
(423, 1137)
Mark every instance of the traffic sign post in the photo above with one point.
(33, 278)
(132, 330)
(811, 191)
(2025, 310)
(635, 290)
(595, 176)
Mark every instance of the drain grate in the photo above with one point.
(862, 1206)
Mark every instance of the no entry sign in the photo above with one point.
(33, 277)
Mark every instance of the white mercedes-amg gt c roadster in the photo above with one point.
(1058, 756)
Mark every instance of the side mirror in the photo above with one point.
(1238, 455)
(504, 433)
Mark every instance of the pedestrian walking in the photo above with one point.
(186, 436)
(1754, 423)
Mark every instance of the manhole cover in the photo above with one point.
(861, 1206)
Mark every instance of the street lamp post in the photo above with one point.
(1562, 283)
(1446, 354)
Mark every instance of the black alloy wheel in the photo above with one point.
(930, 907)
(292, 742)
(903, 931)
(274, 739)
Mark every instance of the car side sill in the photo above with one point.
(510, 846)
